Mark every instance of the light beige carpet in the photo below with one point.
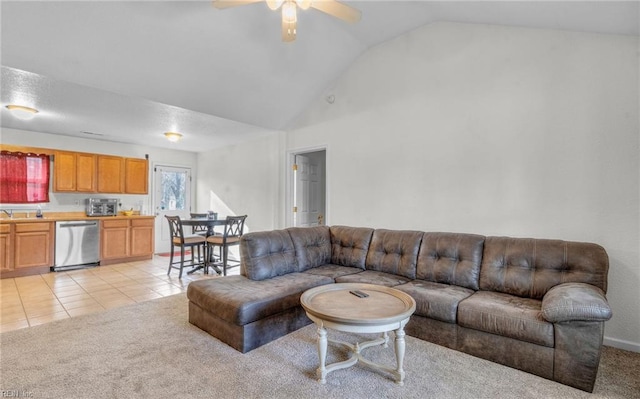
(149, 350)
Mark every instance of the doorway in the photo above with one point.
(307, 188)
(171, 196)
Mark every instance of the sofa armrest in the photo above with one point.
(575, 301)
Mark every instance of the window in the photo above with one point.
(24, 178)
(173, 189)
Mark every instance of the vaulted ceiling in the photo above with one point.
(128, 71)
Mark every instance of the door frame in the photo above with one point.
(289, 182)
(152, 205)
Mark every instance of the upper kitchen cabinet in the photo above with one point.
(110, 174)
(74, 172)
(136, 176)
(96, 173)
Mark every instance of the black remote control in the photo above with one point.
(359, 294)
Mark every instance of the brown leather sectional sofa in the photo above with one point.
(532, 304)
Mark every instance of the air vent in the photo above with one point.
(93, 134)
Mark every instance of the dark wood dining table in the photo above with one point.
(210, 224)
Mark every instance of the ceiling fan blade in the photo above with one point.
(222, 4)
(338, 10)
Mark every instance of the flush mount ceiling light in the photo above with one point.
(290, 10)
(22, 112)
(173, 136)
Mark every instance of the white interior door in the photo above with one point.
(172, 196)
(307, 201)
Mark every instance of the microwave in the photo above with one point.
(102, 206)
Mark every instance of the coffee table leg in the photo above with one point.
(400, 346)
(322, 353)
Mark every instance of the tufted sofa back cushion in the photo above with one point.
(267, 254)
(451, 258)
(394, 251)
(313, 246)
(349, 245)
(529, 267)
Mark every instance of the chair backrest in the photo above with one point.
(175, 227)
(201, 228)
(234, 226)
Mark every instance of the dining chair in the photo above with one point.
(200, 230)
(233, 229)
(178, 239)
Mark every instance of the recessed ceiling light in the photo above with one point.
(173, 136)
(22, 112)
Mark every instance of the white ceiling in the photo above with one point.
(133, 70)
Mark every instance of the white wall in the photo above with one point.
(61, 202)
(496, 131)
(244, 179)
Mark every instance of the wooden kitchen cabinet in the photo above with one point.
(123, 240)
(6, 248)
(33, 244)
(86, 172)
(136, 176)
(26, 248)
(94, 173)
(74, 172)
(142, 237)
(111, 174)
(64, 171)
(114, 239)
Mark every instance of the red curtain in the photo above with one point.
(24, 178)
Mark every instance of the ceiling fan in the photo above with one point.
(290, 9)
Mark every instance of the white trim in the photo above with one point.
(288, 194)
(621, 344)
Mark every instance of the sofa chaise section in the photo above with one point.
(261, 304)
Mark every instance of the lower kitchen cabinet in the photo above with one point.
(142, 237)
(6, 248)
(114, 239)
(26, 248)
(124, 240)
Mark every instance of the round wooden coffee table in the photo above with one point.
(384, 309)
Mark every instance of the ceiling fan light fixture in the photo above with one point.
(289, 12)
(173, 136)
(22, 112)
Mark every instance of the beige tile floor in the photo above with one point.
(29, 301)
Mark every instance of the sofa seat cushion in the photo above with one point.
(333, 271)
(435, 300)
(373, 277)
(240, 300)
(506, 315)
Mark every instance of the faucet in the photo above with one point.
(9, 212)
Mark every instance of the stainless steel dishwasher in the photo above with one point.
(77, 244)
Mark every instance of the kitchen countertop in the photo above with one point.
(21, 217)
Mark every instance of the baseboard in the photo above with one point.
(621, 344)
